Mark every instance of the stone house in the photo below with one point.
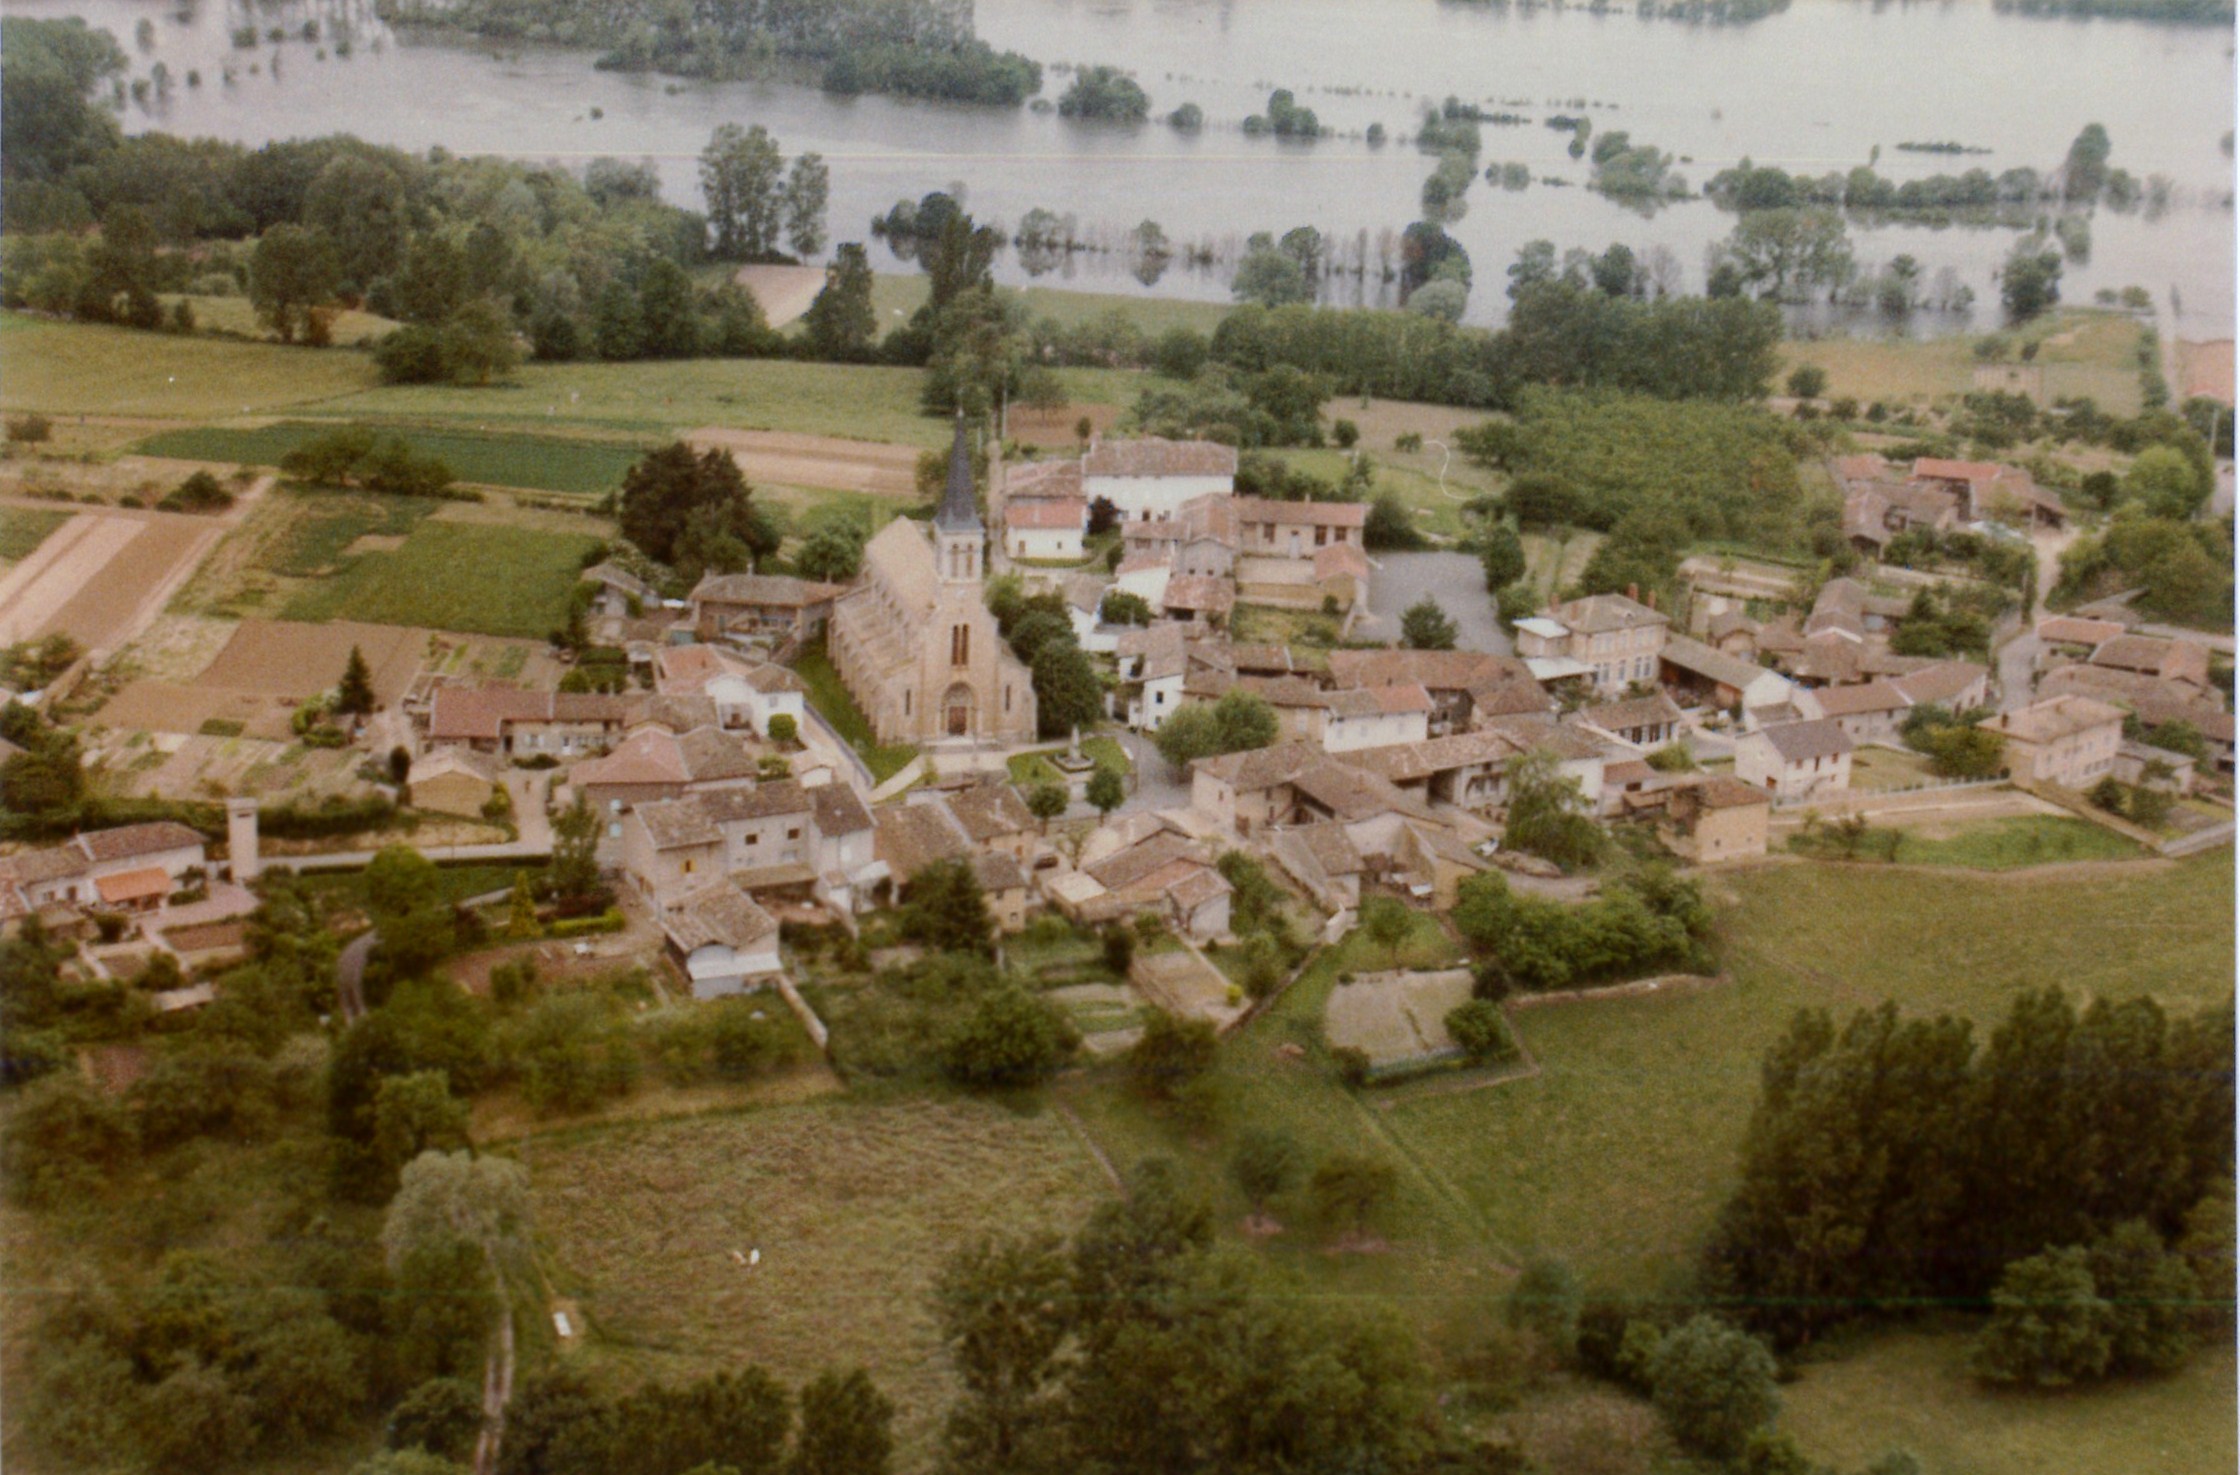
(454, 781)
(774, 606)
(1796, 761)
(654, 763)
(517, 723)
(1270, 527)
(1646, 722)
(1374, 717)
(1695, 673)
(1467, 688)
(1136, 868)
(622, 594)
(2156, 702)
(2068, 740)
(1869, 712)
(721, 939)
(1715, 819)
(1616, 638)
(1148, 479)
(2152, 655)
(122, 867)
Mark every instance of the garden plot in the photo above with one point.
(1186, 986)
(1396, 1018)
(99, 576)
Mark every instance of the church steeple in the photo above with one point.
(958, 532)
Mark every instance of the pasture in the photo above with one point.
(569, 465)
(1912, 1390)
(853, 1207)
(521, 579)
(87, 369)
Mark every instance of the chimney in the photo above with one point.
(241, 838)
(1633, 592)
(1652, 599)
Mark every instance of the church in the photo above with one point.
(914, 642)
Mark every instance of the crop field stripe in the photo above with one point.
(564, 465)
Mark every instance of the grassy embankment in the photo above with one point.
(831, 699)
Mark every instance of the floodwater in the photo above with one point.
(1820, 87)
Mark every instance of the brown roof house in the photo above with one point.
(1715, 819)
(71, 874)
(2156, 702)
(766, 605)
(2070, 741)
(1144, 866)
(655, 763)
(507, 720)
(2152, 655)
(1796, 761)
(1149, 479)
(1618, 639)
(454, 780)
(722, 939)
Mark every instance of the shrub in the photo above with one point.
(1482, 1030)
(1008, 1038)
(30, 429)
(200, 492)
(1714, 1384)
(1171, 1053)
(783, 729)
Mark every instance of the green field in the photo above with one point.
(543, 463)
(851, 401)
(853, 1207)
(1028, 769)
(23, 529)
(2011, 843)
(2082, 352)
(317, 540)
(349, 327)
(1911, 1390)
(84, 369)
(833, 703)
(895, 296)
(521, 578)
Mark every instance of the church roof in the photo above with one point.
(958, 512)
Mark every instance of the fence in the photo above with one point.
(1845, 800)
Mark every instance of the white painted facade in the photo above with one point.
(1152, 498)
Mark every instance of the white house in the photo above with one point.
(1796, 760)
(1045, 528)
(129, 866)
(1149, 479)
(722, 940)
(1375, 717)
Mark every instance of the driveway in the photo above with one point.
(1154, 783)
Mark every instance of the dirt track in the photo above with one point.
(767, 456)
(100, 575)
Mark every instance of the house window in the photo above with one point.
(960, 645)
(754, 838)
(1007, 697)
(1321, 536)
(689, 864)
(794, 833)
(906, 703)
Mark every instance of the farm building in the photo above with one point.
(1796, 760)
(723, 941)
(454, 781)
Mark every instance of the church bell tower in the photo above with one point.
(959, 537)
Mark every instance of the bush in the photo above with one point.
(1482, 1030)
(442, 1416)
(783, 729)
(1171, 1054)
(1714, 1384)
(29, 429)
(610, 920)
(1008, 1038)
(200, 492)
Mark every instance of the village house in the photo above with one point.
(1045, 529)
(760, 839)
(1616, 638)
(1199, 540)
(454, 781)
(622, 594)
(914, 642)
(760, 606)
(1292, 783)
(1140, 866)
(124, 868)
(1646, 722)
(1372, 716)
(2067, 740)
(995, 819)
(2185, 661)
(2070, 638)
(927, 829)
(721, 939)
(1153, 662)
(1266, 526)
(1149, 479)
(1958, 686)
(1714, 819)
(656, 763)
(744, 694)
(1198, 597)
(1321, 857)
(2156, 703)
(1796, 761)
(517, 723)
(1465, 769)
(1467, 688)
(1695, 674)
(1868, 712)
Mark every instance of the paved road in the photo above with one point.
(1155, 785)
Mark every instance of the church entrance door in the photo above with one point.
(957, 711)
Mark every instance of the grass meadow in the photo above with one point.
(86, 369)
(833, 703)
(2082, 352)
(853, 1207)
(2010, 843)
(572, 466)
(522, 580)
(895, 296)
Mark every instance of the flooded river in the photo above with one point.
(1820, 87)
